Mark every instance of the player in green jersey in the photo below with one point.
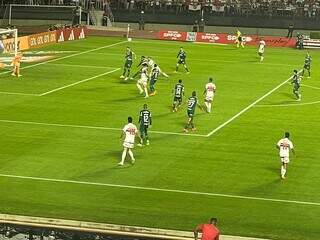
(191, 108)
(178, 93)
(182, 55)
(145, 121)
(307, 64)
(295, 81)
(143, 60)
(155, 72)
(128, 63)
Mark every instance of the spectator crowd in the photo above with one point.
(85, 3)
(268, 8)
(298, 8)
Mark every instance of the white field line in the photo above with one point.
(248, 107)
(77, 65)
(211, 43)
(210, 60)
(76, 83)
(93, 127)
(286, 105)
(309, 86)
(17, 93)
(292, 104)
(161, 190)
(68, 56)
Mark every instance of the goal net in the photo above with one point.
(9, 41)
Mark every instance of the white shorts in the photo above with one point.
(284, 159)
(209, 98)
(128, 145)
(143, 82)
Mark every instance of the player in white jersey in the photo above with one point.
(143, 81)
(151, 64)
(209, 91)
(262, 45)
(128, 135)
(284, 145)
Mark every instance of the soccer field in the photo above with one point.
(61, 121)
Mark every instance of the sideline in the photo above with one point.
(161, 190)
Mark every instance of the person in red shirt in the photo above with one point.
(209, 230)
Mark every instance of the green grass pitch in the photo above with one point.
(52, 128)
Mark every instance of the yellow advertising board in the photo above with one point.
(42, 39)
(8, 44)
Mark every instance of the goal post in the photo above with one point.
(9, 41)
(129, 39)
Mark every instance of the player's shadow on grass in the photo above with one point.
(115, 157)
(274, 170)
(269, 187)
(128, 82)
(93, 89)
(231, 48)
(288, 95)
(163, 114)
(254, 61)
(134, 98)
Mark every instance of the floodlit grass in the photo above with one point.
(238, 160)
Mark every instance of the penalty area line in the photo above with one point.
(92, 127)
(248, 107)
(160, 190)
(17, 93)
(294, 104)
(76, 83)
(309, 86)
(68, 56)
(80, 66)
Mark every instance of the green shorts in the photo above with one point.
(182, 61)
(190, 114)
(128, 64)
(177, 99)
(143, 129)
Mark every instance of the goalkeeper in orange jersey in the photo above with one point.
(16, 65)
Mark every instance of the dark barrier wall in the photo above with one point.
(38, 13)
(12, 231)
(189, 18)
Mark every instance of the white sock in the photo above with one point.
(124, 153)
(131, 154)
(139, 87)
(283, 171)
(146, 91)
(206, 103)
(209, 107)
(261, 59)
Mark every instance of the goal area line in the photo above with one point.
(95, 127)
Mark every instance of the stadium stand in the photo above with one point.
(18, 227)
(297, 8)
